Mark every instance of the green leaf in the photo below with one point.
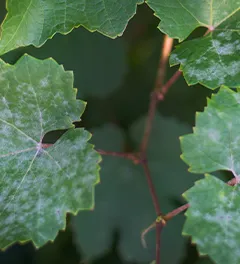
(212, 60)
(180, 17)
(34, 21)
(40, 185)
(213, 219)
(215, 143)
(123, 201)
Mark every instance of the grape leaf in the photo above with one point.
(215, 143)
(123, 201)
(213, 219)
(212, 60)
(34, 21)
(180, 17)
(40, 185)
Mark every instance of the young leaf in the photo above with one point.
(34, 21)
(213, 219)
(215, 143)
(212, 60)
(123, 201)
(40, 185)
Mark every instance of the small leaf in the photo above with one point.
(215, 142)
(40, 185)
(34, 21)
(213, 60)
(213, 219)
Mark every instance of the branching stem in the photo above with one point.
(175, 212)
(161, 94)
(152, 189)
(161, 72)
(157, 95)
(44, 146)
(131, 156)
(159, 227)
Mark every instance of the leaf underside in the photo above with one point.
(40, 185)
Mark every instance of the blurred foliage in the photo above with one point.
(122, 198)
(116, 77)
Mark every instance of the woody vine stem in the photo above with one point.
(158, 94)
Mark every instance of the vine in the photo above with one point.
(38, 96)
(140, 158)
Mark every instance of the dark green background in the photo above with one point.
(115, 77)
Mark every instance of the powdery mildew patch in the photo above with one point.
(215, 143)
(36, 182)
(213, 219)
(212, 60)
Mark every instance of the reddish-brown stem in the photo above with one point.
(155, 97)
(159, 227)
(161, 71)
(233, 181)
(175, 212)
(149, 121)
(44, 146)
(158, 94)
(167, 46)
(210, 29)
(126, 155)
(152, 189)
(170, 82)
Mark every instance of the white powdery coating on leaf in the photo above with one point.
(225, 49)
(36, 182)
(214, 134)
(213, 72)
(218, 229)
(212, 61)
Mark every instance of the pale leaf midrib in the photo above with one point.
(20, 131)
(17, 152)
(200, 23)
(20, 184)
(231, 14)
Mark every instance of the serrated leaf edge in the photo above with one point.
(65, 33)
